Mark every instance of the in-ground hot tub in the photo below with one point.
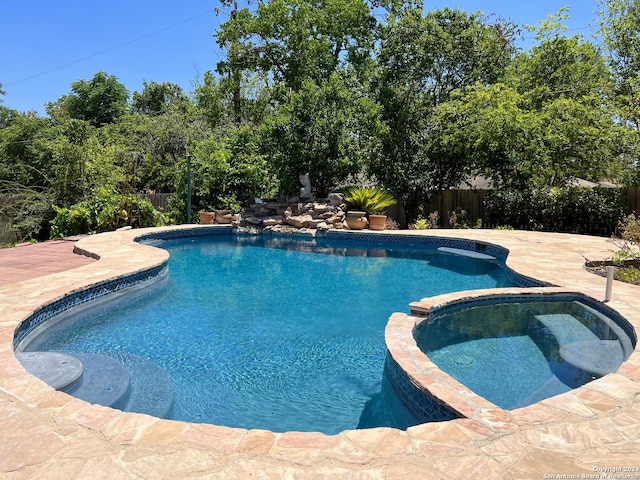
(512, 350)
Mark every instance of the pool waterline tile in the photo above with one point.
(563, 266)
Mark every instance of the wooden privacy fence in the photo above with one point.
(472, 202)
(632, 200)
(445, 202)
(158, 200)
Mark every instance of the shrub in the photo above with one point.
(561, 209)
(104, 212)
(629, 241)
(628, 275)
(225, 173)
(426, 223)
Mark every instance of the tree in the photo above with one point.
(225, 173)
(296, 40)
(422, 61)
(100, 101)
(24, 157)
(327, 130)
(156, 98)
(483, 130)
(549, 121)
(620, 29)
(216, 98)
(302, 53)
(564, 83)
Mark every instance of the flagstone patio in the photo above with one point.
(48, 434)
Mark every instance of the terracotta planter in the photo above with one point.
(356, 220)
(206, 218)
(377, 222)
(223, 216)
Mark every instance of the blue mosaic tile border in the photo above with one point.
(526, 282)
(487, 300)
(75, 299)
(419, 401)
(476, 246)
(185, 233)
(500, 253)
(492, 299)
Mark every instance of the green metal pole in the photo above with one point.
(188, 188)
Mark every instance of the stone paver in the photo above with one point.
(47, 434)
(27, 261)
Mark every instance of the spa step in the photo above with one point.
(151, 388)
(57, 369)
(566, 328)
(105, 381)
(596, 356)
(552, 387)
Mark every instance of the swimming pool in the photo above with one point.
(281, 334)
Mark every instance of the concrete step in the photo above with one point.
(596, 356)
(120, 380)
(57, 369)
(105, 381)
(466, 253)
(552, 387)
(566, 328)
(151, 388)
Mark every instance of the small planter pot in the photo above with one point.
(377, 222)
(356, 220)
(206, 218)
(223, 216)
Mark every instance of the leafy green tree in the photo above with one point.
(564, 84)
(483, 130)
(216, 99)
(67, 147)
(620, 30)
(24, 157)
(99, 101)
(326, 130)
(422, 61)
(224, 173)
(147, 149)
(156, 98)
(296, 40)
(549, 120)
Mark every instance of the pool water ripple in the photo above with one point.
(275, 334)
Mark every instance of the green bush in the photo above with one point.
(628, 275)
(629, 241)
(583, 210)
(225, 173)
(105, 212)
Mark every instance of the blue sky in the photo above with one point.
(48, 45)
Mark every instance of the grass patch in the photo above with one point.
(627, 275)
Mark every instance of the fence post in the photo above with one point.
(188, 188)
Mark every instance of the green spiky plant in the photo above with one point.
(372, 200)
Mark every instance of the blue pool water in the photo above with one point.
(515, 354)
(274, 333)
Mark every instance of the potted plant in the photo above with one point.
(206, 218)
(370, 201)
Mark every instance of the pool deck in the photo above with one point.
(48, 434)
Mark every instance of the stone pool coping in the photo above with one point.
(49, 434)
